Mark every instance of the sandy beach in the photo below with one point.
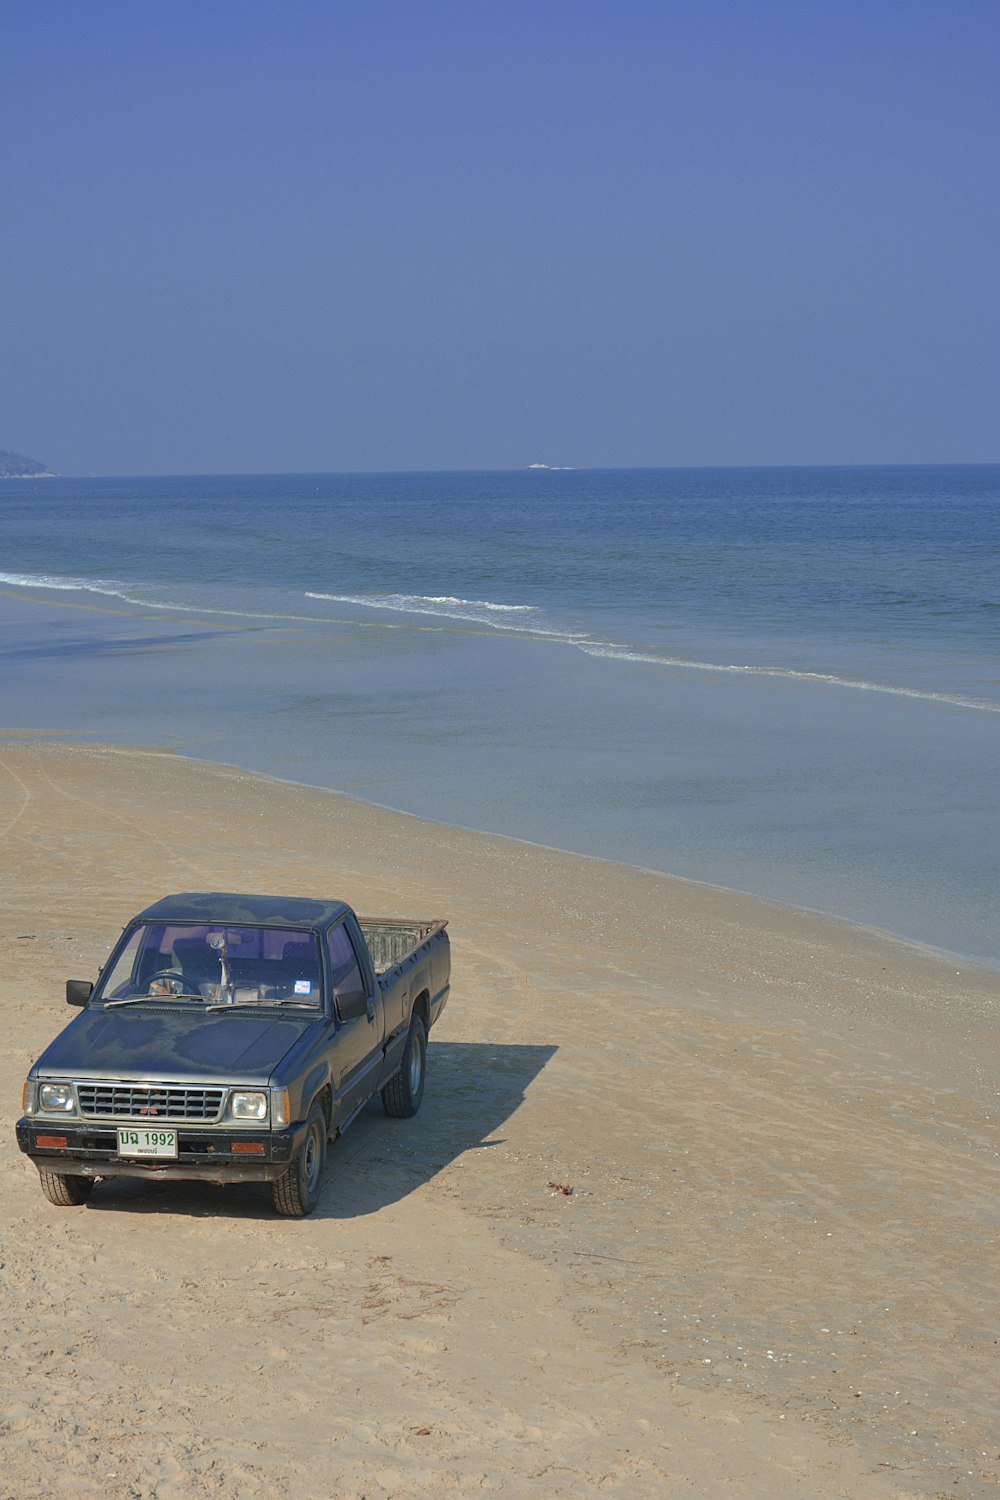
(775, 1274)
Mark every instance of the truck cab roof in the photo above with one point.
(231, 908)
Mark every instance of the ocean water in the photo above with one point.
(785, 681)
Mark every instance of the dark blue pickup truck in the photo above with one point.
(229, 1038)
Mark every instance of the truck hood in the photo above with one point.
(172, 1045)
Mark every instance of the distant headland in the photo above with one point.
(16, 466)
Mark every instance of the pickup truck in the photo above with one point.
(230, 1037)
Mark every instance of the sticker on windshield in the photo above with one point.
(303, 986)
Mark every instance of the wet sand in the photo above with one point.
(775, 1274)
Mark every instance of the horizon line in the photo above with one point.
(537, 469)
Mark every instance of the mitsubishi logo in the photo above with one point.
(147, 1109)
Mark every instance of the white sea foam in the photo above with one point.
(135, 594)
(831, 679)
(50, 581)
(469, 611)
(512, 609)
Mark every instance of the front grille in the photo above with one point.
(161, 1101)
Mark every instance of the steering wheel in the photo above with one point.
(173, 982)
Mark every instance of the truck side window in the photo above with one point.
(345, 971)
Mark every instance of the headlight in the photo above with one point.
(55, 1096)
(248, 1106)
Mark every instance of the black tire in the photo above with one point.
(402, 1094)
(64, 1191)
(296, 1193)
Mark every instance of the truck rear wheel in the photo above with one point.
(65, 1191)
(402, 1095)
(296, 1193)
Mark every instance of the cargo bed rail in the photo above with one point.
(391, 940)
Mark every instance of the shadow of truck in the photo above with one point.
(472, 1088)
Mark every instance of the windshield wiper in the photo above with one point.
(147, 999)
(260, 1005)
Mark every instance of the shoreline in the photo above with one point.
(775, 1274)
(71, 739)
(929, 950)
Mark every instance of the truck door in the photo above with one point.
(357, 1049)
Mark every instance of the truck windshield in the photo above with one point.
(216, 965)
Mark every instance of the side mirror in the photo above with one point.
(78, 991)
(350, 1003)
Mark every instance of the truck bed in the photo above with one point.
(392, 939)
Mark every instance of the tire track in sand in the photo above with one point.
(130, 823)
(24, 805)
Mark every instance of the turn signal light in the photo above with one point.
(247, 1148)
(50, 1140)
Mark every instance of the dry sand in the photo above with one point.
(775, 1275)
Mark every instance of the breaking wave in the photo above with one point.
(470, 611)
(137, 594)
(523, 620)
(55, 581)
(793, 674)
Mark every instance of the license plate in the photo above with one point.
(143, 1142)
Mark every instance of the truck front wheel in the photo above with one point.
(402, 1095)
(296, 1193)
(65, 1191)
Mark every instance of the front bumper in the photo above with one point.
(203, 1155)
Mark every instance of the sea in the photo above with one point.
(785, 681)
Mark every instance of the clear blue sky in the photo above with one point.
(393, 234)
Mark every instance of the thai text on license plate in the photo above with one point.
(143, 1142)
